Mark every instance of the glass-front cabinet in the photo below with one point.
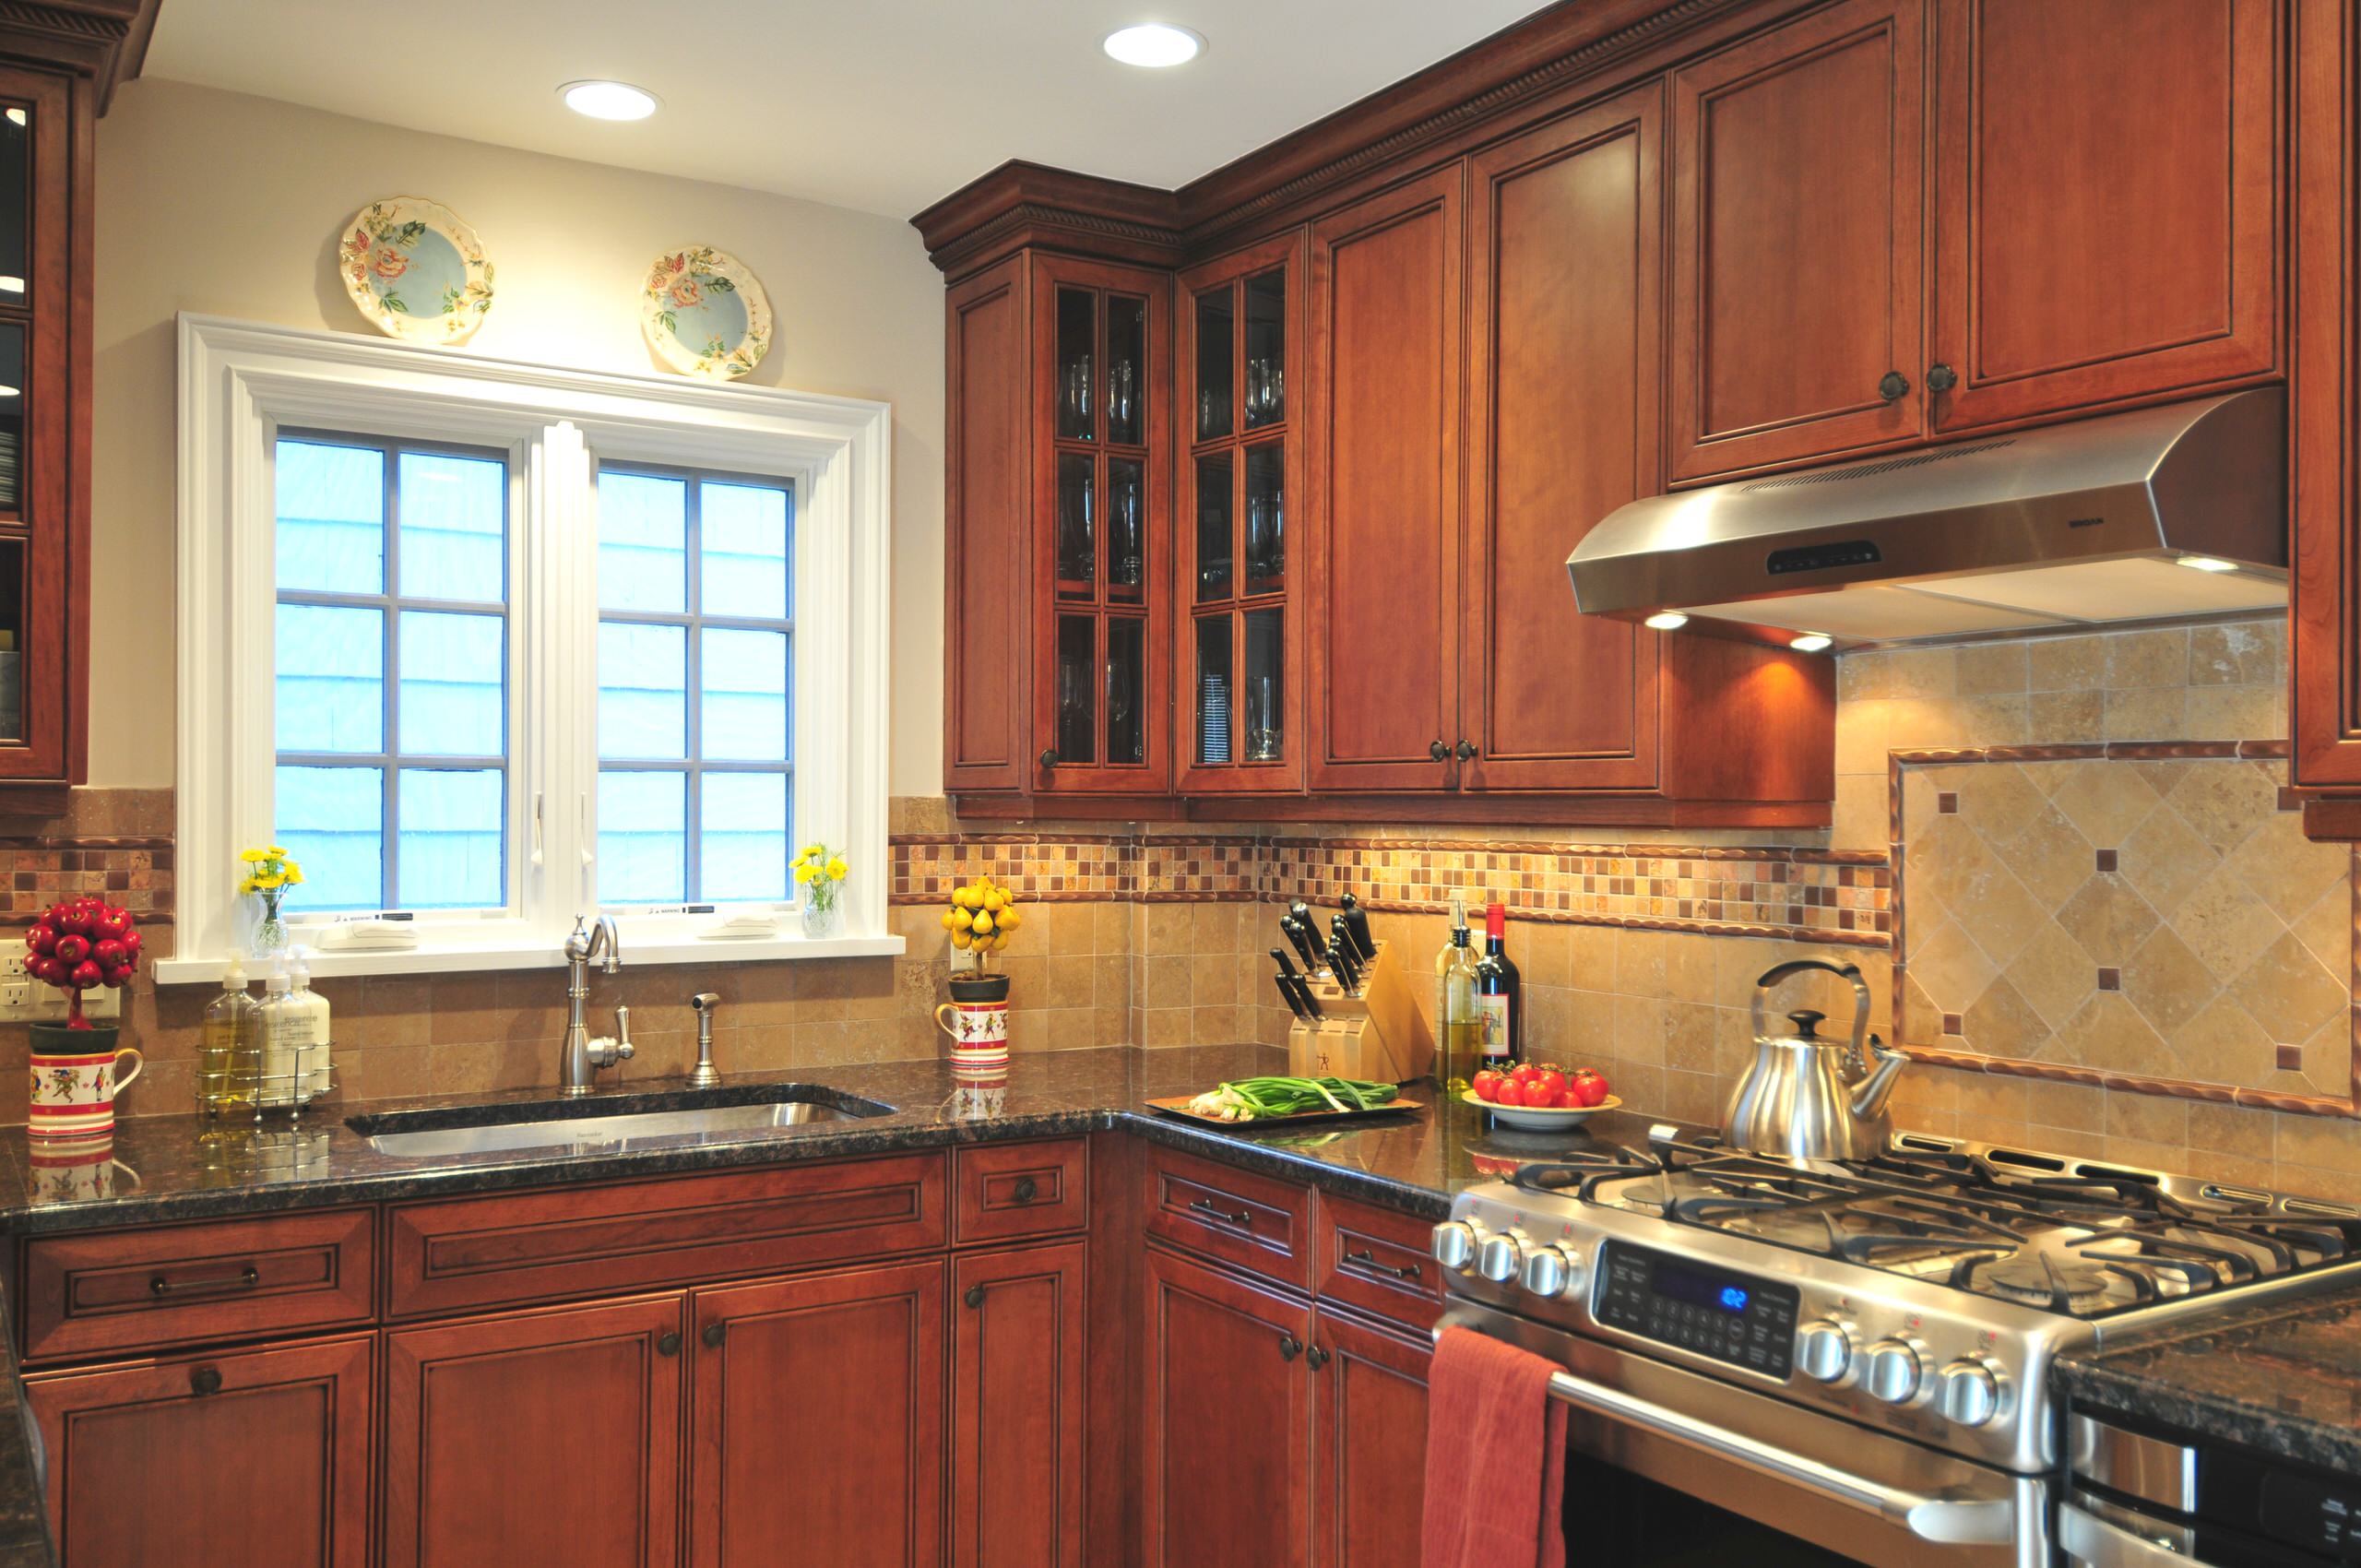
(1241, 553)
(1098, 689)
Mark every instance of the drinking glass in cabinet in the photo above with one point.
(1077, 729)
(1266, 545)
(1126, 676)
(1213, 570)
(1077, 328)
(1213, 689)
(12, 639)
(1077, 527)
(1126, 368)
(1214, 346)
(1266, 330)
(1264, 687)
(1126, 498)
(12, 419)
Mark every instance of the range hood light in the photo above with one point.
(1668, 620)
(1811, 642)
(2206, 563)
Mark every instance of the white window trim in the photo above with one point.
(240, 382)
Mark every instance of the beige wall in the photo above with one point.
(218, 203)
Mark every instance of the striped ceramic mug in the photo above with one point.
(977, 1020)
(74, 1089)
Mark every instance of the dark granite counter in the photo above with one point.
(2282, 1378)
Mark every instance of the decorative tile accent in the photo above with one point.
(135, 872)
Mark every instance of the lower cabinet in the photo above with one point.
(1017, 1395)
(257, 1458)
(539, 1439)
(1369, 1444)
(817, 1420)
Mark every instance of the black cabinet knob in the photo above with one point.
(1048, 757)
(713, 1333)
(1025, 1190)
(1289, 1346)
(1439, 750)
(667, 1345)
(1315, 1358)
(974, 1296)
(1941, 378)
(1892, 384)
(203, 1381)
(1466, 751)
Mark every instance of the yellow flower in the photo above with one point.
(836, 867)
(294, 872)
(802, 874)
(276, 850)
(253, 857)
(798, 860)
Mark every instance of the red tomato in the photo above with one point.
(1488, 1085)
(1545, 1087)
(1523, 1072)
(1589, 1086)
(1512, 1093)
(1569, 1099)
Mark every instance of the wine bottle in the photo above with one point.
(1500, 994)
(1459, 1024)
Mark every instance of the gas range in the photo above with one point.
(1921, 1293)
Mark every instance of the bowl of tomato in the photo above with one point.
(1541, 1099)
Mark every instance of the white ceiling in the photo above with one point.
(883, 105)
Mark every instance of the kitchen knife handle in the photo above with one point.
(1287, 994)
(1287, 964)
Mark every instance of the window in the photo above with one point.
(495, 646)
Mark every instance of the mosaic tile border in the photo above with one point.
(37, 870)
(2346, 1106)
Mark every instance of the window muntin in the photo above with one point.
(696, 680)
(391, 674)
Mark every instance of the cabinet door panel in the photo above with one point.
(1566, 233)
(986, 449)
(268, 1470)
(536, 1440)
(1369, 1446)
(1385, 443)
(1017, 1353)
(2105, 216)
(1795, 272)
(817, 1422)
(1227, 1430)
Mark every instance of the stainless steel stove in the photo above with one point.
(1852, 1357)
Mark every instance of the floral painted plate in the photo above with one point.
(415, 270)
(705, 314)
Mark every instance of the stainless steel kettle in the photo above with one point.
(1804, 1098)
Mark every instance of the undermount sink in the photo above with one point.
(604, 1127)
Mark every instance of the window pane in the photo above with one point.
(744, 715)
(331, 821)
(453, 540)
(331, 517)
(331, 679)
(643, 552)
(450, 839)
(642, 690)
(451, 685)
(741, 541)
(643, 837)
(742, 836)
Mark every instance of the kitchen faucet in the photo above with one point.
(580, 1057)
(704, 1077)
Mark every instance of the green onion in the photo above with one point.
(1266, 1099)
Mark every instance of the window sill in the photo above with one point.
(546, 955)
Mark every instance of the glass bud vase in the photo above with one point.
(270, 933)
(819, 920)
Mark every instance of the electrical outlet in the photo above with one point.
(27, 1001)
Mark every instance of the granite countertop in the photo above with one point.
(2283, 1378)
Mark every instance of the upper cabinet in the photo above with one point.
(1796, 180)
(2106, 215)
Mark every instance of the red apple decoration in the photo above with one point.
(81, 944)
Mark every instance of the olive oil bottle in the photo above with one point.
(1459, 1021)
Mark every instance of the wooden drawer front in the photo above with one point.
(445, 1257)
(107, 1291)
(1236, 1216)
(1006, 1190)
(1376, 1259)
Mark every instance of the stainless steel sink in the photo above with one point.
(636, 1122)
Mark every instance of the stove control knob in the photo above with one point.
(1825, 1350)
(1894, 1372)
(1970, 1392)
(1454, 1243)
(1500, 1257)
(1550, 1271)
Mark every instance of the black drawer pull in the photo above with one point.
(974, 1296)
(203, 1381)
(713, 1333)
(1289, 1345)
(1212, 1210)
(1315, 1358)
(245, 1279)
(667, 1345)
(1025, 1191)
(1368, 1260)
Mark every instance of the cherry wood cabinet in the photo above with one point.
(1798, 170)
(987, 614)
(548, 1437)
(817, 1420)
(1369, 1443)
(1018, 1343)
(254, 1458)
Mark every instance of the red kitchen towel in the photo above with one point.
(1496, 1457)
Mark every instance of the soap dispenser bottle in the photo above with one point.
(228, 1058)
(285, 1021)
(313, 1064)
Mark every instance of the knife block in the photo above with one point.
(1378, 1035)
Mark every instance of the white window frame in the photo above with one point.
(241, 382)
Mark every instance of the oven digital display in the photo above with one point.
(1709, 1312)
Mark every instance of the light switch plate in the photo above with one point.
(24, 1000)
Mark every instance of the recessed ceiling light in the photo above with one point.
(1811, 642)
(609, 101)
(1154, 45)
(1668, 620)
(2206, 563)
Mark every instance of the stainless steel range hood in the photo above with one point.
(2075, 525)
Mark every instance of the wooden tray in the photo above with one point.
(1177, 1105)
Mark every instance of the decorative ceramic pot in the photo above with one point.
(977, 1020)
(76, 1075)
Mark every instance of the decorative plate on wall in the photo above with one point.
(705, 314)
(415, 270)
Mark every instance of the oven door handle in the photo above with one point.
(1950, 1521)
(2085, 1538)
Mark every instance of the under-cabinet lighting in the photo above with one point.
(2205, 564)
(1154, 45)
(609, 101)
(1811, 642)
(1668, 620)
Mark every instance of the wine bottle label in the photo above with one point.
(1495, 1011)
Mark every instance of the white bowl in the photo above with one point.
(1540, 1119)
